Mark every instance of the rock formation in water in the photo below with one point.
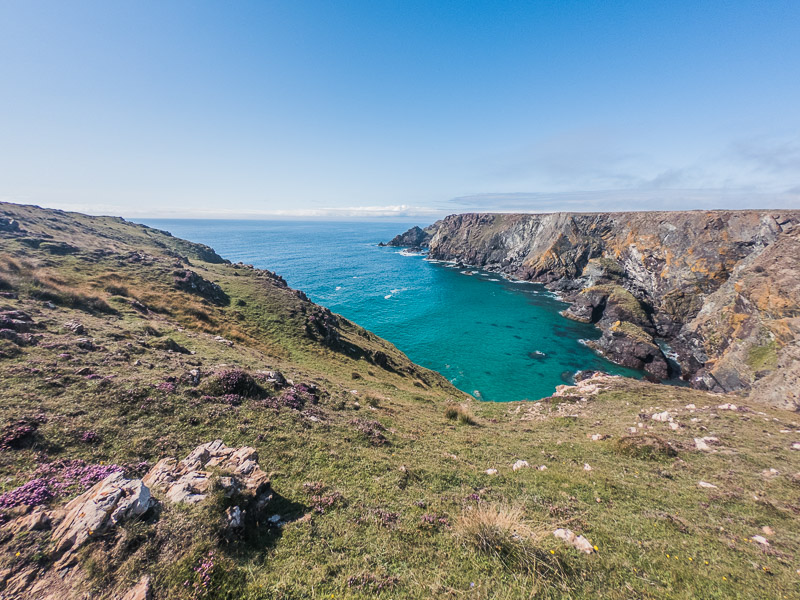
(416, 237)
(721, 288)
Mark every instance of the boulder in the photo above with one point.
(106, 504)
(190, 479)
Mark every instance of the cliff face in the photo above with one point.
(416, 237)
(721, 287)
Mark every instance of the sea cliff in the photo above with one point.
(719, 289)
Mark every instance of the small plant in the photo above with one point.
(89, 437)
(370, 582)
(370, 429)
(647, 446)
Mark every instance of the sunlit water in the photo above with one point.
(493, 338)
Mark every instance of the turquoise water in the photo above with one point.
(493, 338)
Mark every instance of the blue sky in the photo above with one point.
(398, 108)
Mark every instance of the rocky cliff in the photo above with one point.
(416, 237)
(721, 288)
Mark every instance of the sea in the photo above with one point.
(496, 339)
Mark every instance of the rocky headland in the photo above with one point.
(719, 291)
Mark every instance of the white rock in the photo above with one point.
(234, 517)
(491, 471)
(520, 464)
(542, 467)
(674, 426)
(700, 444)
(690, 407)
(705, 484)
(796, 446)
(586, 467)
(576, 541)
(662, 416)
(704, 443)
(761, 540)
(727, 407)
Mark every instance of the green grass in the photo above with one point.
(400, 527)
(760, 358)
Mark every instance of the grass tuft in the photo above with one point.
(461, 414)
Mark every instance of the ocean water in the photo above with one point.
(496, 339)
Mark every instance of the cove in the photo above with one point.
(496, 339)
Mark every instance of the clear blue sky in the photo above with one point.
(405, 108)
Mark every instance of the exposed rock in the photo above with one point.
(58, 248)
(38, 519)
(629, 345)
(491, 471)
(576, 541)
(234, 518)
(16, 320)
(414, 237)
(190, 479)
(662, 416)
(705, 484)
(704, 444)
(141, 591)
(520, 464)
(75, 327)
(191, 282)
(170, 345)
(9, 225)
(107, 503)
(276, 378)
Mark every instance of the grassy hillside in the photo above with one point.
(141, 346)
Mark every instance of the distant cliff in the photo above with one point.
(721, 288)
(416, 237)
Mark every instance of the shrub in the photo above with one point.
(233, 382)
(647, 446)
(370, 429)
(117, 290)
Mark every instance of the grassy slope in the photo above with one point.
(650, 520)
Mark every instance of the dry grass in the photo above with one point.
(501, 531)
(460, 413)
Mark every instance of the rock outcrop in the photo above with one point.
(116, 499)
(720, 288)
(416, 237)
(190, 479)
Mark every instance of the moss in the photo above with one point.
(632, 331)
(763, 358)
(622, 298)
